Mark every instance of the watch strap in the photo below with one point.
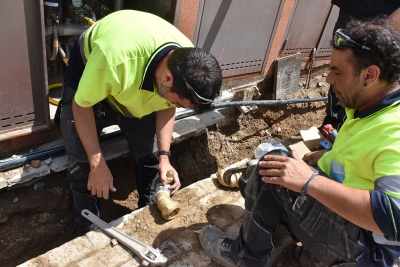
(163, 152)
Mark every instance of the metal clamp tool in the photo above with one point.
(147, 254)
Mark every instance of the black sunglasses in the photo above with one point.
(340, 40)
(196, 98)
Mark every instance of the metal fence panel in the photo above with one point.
(238, 32)
(306, 27)
(23, 93)
(324, 47)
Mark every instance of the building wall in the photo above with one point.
(188, 15)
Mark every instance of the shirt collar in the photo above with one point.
(158, 54)
(393, 98)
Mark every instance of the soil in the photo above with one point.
(39, 217)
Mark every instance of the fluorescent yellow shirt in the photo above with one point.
(122, 51)
(366, 147)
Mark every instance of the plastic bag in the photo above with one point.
(264, 148)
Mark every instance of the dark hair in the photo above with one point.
(383, 40)
(200, 69)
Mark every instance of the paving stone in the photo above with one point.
(210, 118)
(3, 183)
(186, 128)
(59, 163)
(28, 174)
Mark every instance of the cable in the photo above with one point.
(52, 86)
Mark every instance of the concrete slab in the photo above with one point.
(3, 183)
(28, 174)
(59, 163)
(187, 127)
(202, 203)
(211, 118)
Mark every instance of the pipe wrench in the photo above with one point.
(148, 255)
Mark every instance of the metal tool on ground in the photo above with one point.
(148, 255)
(329, 132)
(169, 208)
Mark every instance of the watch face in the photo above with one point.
(76, 3)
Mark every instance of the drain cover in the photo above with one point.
(287, 75)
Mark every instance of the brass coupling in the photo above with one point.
(170, 176)
(231, 179)
(169, 208)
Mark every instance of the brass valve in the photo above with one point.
(169, 208)
(170, 176)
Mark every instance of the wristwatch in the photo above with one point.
(166, 153)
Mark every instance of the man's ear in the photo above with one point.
(371, 74)
(168, 79)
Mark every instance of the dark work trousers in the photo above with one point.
(140, 135)
(326, 235)
(335, 113)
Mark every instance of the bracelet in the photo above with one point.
(305, 187)
(166, 153)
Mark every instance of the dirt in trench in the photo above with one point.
(39, 217)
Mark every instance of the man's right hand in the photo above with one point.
(100, 180)
(312, 157)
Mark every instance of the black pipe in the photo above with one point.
(191, 112)
(18, 162)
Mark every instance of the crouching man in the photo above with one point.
(349, 213)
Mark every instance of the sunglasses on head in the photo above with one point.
(340, 40)
(196, 97)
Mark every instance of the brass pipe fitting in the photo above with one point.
(170, 176)
(169, 208)
(228, 179)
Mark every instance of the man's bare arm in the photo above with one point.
(165, 121)
(100, 180)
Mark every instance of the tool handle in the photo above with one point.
(143, 251)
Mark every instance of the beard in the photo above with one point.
(347, 100)
(161, 89)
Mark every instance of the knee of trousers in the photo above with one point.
(254, 183)
(256, 190)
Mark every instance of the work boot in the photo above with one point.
(217, 245)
